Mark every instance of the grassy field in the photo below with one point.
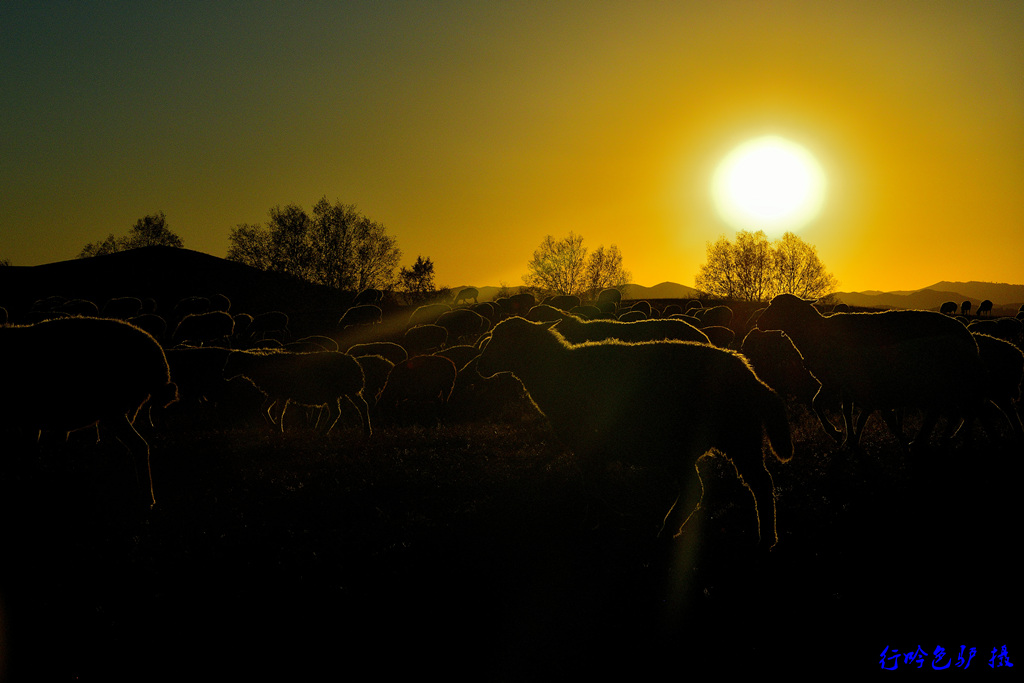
(475, 550)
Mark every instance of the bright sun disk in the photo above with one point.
(770, 184)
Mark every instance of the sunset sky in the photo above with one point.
(474, 129)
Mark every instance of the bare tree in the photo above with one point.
(148, 231)
(562, 266)
(753, 269)
(337, 246)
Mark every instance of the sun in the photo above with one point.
(768, 183)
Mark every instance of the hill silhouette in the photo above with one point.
(167, 274)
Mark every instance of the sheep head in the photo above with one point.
(787, 312)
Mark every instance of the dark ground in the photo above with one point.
(476, 551)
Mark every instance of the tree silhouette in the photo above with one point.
(562, 266)
(754, 269)
(148, 231)
(418, 281)
(337, 246)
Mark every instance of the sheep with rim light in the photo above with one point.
(882, 361)
(578, 331)
(76, 373)
(656, 404)
(310, 379)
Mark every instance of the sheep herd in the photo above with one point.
(636, 384)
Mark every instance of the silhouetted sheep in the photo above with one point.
(427, 314)
(269, 323)
(578, 331)
(375, 375)
(1003, 365)
(122, 307)
(424, 338)
(965, 308)
(779, 365)
(564, 302)
(466, 294)
(365, 314)
(309, 379)
(462, 323)
(659, 404)
(609, 295)
(74, 373)
(882, 361)
(948, 308)
(368, 297)
(418, 389)
(390, 350)
(719, 335)
(985, 307)
(204, 328)
(461, 355)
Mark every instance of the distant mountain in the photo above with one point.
(1006, 299)
(665, 290)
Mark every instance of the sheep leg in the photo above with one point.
(817, 403)
(361, 406)
(681, 512)
(749, 464)
(126, 433)
(892, 419)
(281, 416)
(333, 409)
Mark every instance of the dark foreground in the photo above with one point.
(475, 551)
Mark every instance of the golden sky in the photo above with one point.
(474, 129)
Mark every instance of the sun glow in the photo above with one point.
(770, 184)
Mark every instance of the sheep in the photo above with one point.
(633, 316)
(1003, 365)
(150, 322)
(462, 323)
(310, 379)
(844, 308)
(564, 302)
(123, 307)
(424, 338)
(204, 328)
(375, 375)
(660, 404)
(586, 312)
(610, 295)
(466, 294)
(578, 331)
(368, 297)
(948, 308)
(198, 372)
(420, 387)
(985, 307)
(220, 302)
(365, 314)
(189, 305)
(716, 315)
(270, 322)
(719, 335)
(390, 350)
(965, 308)
(544, 313)
(82, 307)
(326, 343)
(461, 355)
(76, 373)
(882, 361)
(427, 314)
(779, 365)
